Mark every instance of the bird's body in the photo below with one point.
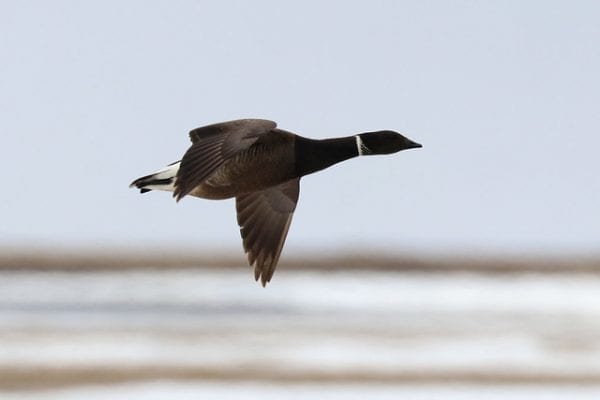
(252, 169)
(261, 167)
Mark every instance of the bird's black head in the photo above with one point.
(385, 142)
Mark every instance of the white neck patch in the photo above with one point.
(360, 146)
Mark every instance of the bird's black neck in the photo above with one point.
(315, 155)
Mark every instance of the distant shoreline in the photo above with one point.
(45, 378)
(107, 260)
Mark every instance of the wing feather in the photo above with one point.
(264, 218)
(212, 145)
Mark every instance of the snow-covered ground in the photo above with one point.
(308, 334)
(261, 391)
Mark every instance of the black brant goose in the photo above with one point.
(261, 166)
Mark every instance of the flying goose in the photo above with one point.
(261, 166)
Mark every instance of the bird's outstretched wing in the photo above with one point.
(264, 218)
(212, 145)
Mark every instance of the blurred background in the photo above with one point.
(466, 269)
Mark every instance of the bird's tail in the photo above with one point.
(163, 179)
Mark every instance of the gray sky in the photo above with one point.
(504, 96)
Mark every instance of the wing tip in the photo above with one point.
(264, 278)
(178, 193)
(263, 271)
